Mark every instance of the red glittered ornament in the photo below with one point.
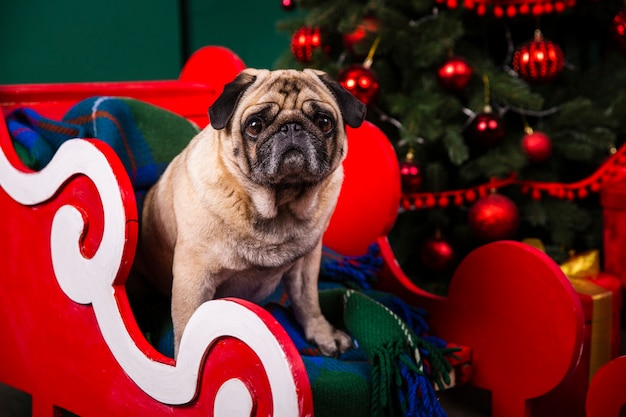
(486, 129)
(437, 254)
(455, 74)
(362, 82)
(539, 60)
(618, 30)
(410, 175)
(494, 217)
(537, 146)
(304, 41)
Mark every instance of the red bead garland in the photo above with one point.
(510, 8)
(613, 169)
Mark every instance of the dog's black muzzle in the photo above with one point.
(293, 155)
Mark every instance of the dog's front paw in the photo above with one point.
(334, 344)
(330, 341)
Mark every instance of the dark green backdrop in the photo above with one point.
(81, 40)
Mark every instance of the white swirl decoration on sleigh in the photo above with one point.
(90, 281)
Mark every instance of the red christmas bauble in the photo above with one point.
(494, 217)
(354, 40)
(539, 61)
(455, 74)
(618, 30)
(410, 176)
(288, 4)
(361, 82)
(486, 129)
(437, 254)
(537, 146)
(304, 41)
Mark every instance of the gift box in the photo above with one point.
(613, 200)
(600, 294)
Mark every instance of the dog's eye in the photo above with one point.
(325, 123)
(254, 126)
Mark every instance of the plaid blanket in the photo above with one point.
(145, 137)
(389, 372)
(395, 363)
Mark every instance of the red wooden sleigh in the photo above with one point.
(68, 236)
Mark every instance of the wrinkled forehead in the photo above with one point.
(290, 89)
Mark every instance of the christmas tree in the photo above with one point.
(506, 115)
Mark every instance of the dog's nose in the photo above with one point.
(291, 127)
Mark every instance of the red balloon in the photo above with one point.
(494, 217)
(537, 146)
(361, 82)
(455, 74)
(370, 193)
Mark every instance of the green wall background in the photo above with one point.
(79, 40)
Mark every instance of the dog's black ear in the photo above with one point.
(223, 108)
(352, 109)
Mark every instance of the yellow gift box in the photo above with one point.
(601, 298)
(600, 295)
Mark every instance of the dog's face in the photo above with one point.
(286, 127)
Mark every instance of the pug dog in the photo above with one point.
(245, 204)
